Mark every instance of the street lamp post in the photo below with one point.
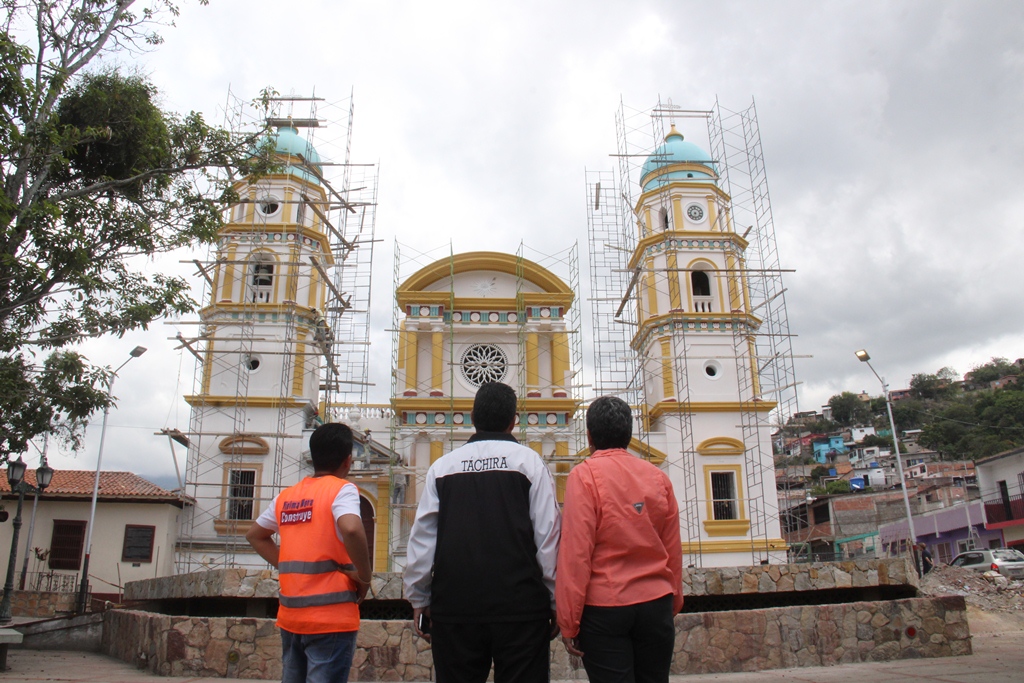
(865, 358)
(16, 476)
(83, 587)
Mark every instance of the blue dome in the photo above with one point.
(675, 150)
(287, 141)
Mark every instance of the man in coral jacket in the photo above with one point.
(323, 562)
(619, 580)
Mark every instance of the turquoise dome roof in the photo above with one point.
(288, 141)
(675, 150)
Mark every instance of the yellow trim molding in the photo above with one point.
(642, 449)
(726, 527)
(651, 240)
(465, 404)
(248, 401)
(473, 303)
(243, 444)
(665, 407)
(484, 260)
(721, 445)
(746, 546)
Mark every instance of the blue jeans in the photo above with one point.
(317, 658)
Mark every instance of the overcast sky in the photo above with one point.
(892, 135)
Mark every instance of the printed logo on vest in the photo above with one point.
(296, 512)
(639, 507)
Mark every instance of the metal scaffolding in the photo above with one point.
(617, 287)
(326, 346)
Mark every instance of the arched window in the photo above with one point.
(700, 286)
(261, 272)
(663, 218)
(701, 283)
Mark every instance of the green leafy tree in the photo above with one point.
(837, 486)
(993, 370)
(818, 472)
(940, 385)
(95, 178)
(875, 440)
(848, 409)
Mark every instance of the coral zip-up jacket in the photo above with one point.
(620, 537)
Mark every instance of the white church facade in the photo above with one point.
(463, 320)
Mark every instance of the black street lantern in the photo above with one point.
(16, 478)
(15, 472)
(44, 475)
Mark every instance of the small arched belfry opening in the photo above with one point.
(469, 318)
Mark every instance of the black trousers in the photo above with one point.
(631, 644)
(519, 649)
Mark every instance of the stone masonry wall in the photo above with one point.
(711, 642)
(40, 603)
(782, 578)
(747, 640)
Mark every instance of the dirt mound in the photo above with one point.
(988, 592)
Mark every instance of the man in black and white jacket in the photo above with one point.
(481, 556)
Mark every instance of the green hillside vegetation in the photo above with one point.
(959, 420)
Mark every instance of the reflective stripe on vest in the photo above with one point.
(320, 567)
(318, 600)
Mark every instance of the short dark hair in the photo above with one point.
(494, 407)
(329, 446)
(610, 423)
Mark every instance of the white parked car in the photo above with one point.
(1006, 561)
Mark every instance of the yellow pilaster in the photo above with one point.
(537, 447)
(561, 469)
(228, 282)
(672, 271)
(532, 363)
(436, 451)
(559, 362)
(652, 291)
(403, 345)
(677, 213)
(299, 368)
(380, 545)
(667, 375)
(412, 362)
(287, 213)
(436, 361)
(208, 359)
(713, 215)
(734, 283)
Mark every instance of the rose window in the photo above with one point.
(482, 363)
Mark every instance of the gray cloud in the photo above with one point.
(891, 136)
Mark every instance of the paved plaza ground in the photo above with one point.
(997, 658)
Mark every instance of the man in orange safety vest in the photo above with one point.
(322, 561)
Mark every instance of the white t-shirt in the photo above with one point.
(345, 503)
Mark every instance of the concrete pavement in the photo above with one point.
(997, 658)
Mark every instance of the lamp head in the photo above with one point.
(15, 472)
(137, 351)
(862, 355)
(44, 475)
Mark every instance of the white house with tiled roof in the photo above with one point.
(134, 535)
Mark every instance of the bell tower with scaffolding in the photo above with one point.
(687, 315)
(282, 296)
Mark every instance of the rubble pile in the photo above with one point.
(990, 591)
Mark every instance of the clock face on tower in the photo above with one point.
(695, 212)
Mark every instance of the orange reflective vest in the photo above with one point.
(315, 596)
